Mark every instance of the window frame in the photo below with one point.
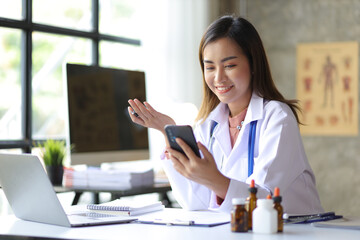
(28, 27)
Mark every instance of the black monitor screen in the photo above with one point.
(97, 103)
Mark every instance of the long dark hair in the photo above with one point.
(245, 35)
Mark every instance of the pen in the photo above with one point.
(310, 218)
(174, 222)
(134, 113)
(292, 217)
(323, 219)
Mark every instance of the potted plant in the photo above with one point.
(53, 153)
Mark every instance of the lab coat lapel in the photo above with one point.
(222, 137)
(255, 109)
(254, 112)
(221, 133)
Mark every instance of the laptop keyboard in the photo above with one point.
(94, 215)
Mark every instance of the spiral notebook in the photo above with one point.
(122, 207)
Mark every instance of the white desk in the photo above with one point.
(13, 228)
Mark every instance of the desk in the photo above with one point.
(161, 188)
(13, 228)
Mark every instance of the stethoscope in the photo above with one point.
(251, 145)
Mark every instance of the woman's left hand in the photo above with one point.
(201, 170)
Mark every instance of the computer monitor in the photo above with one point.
(100, 129)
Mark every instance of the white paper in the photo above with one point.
(176, 215)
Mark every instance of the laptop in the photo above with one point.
(32, 196)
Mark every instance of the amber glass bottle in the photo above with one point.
(251, 202)
(277, 205)
(239, 216)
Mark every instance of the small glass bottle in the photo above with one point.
(277, 206)
(264, 217)
(239, 216)
(251, 202)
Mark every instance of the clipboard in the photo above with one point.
(181, 217)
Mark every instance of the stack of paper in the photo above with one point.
(109, 179)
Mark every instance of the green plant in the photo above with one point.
(53, 152)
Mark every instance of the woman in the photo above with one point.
(239, 98)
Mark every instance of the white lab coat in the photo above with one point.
(279, 160)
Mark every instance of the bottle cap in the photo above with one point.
(252, 183)
(238, 201)
(264, 203)
(252, 188)
(268, 197)
(277, 198)
(277, 192)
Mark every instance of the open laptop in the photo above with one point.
(32, 196)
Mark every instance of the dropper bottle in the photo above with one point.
(264, 217)
(251, 202)
(277, 205)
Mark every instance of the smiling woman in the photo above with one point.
(267, 146)
(228, 74)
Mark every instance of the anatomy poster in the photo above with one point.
(327, 87)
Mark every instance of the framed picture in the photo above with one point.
(327, 87)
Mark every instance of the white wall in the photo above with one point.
(173, 31)
(283, 24)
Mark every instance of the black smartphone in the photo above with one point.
(184, 132)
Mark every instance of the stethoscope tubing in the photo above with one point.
(251, 145)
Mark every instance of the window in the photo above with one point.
(50, 51)
(37, 37)
(64, 13)
(124, 15)
(113, 55)
(12, 10)
(10, 84)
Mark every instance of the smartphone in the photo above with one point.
(184, 132)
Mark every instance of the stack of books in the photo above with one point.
(108, 179)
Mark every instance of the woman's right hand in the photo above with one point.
(148, 116)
